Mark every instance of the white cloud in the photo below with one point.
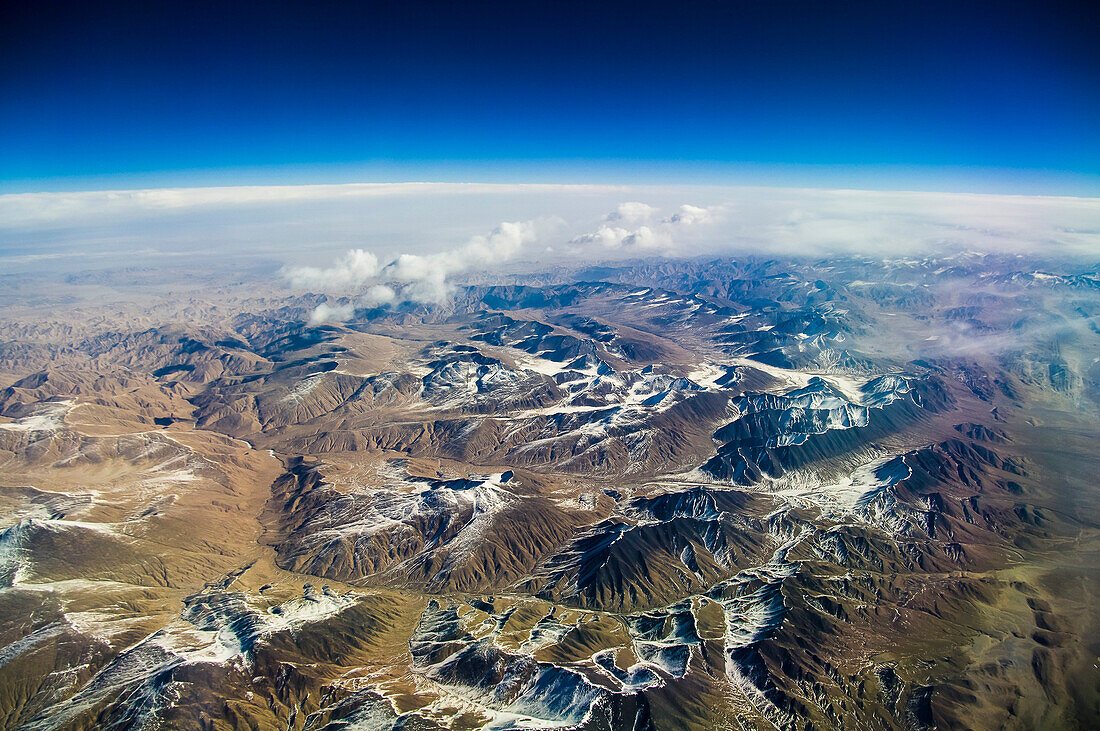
(378, 295)
(412, 277)
(688, 215)
(353, 270)
(660, 236)
(647, 238)
(328, 313)
(426, 276)
(632, 212)
(412, 268)
(502, 244)
(608, 237)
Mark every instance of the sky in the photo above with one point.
(999, 97)
(346, 146)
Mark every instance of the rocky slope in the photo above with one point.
(676, 495)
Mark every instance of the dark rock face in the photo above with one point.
(776, 433)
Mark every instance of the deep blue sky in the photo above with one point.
(101, 93)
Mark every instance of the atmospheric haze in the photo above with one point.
(452, 456)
